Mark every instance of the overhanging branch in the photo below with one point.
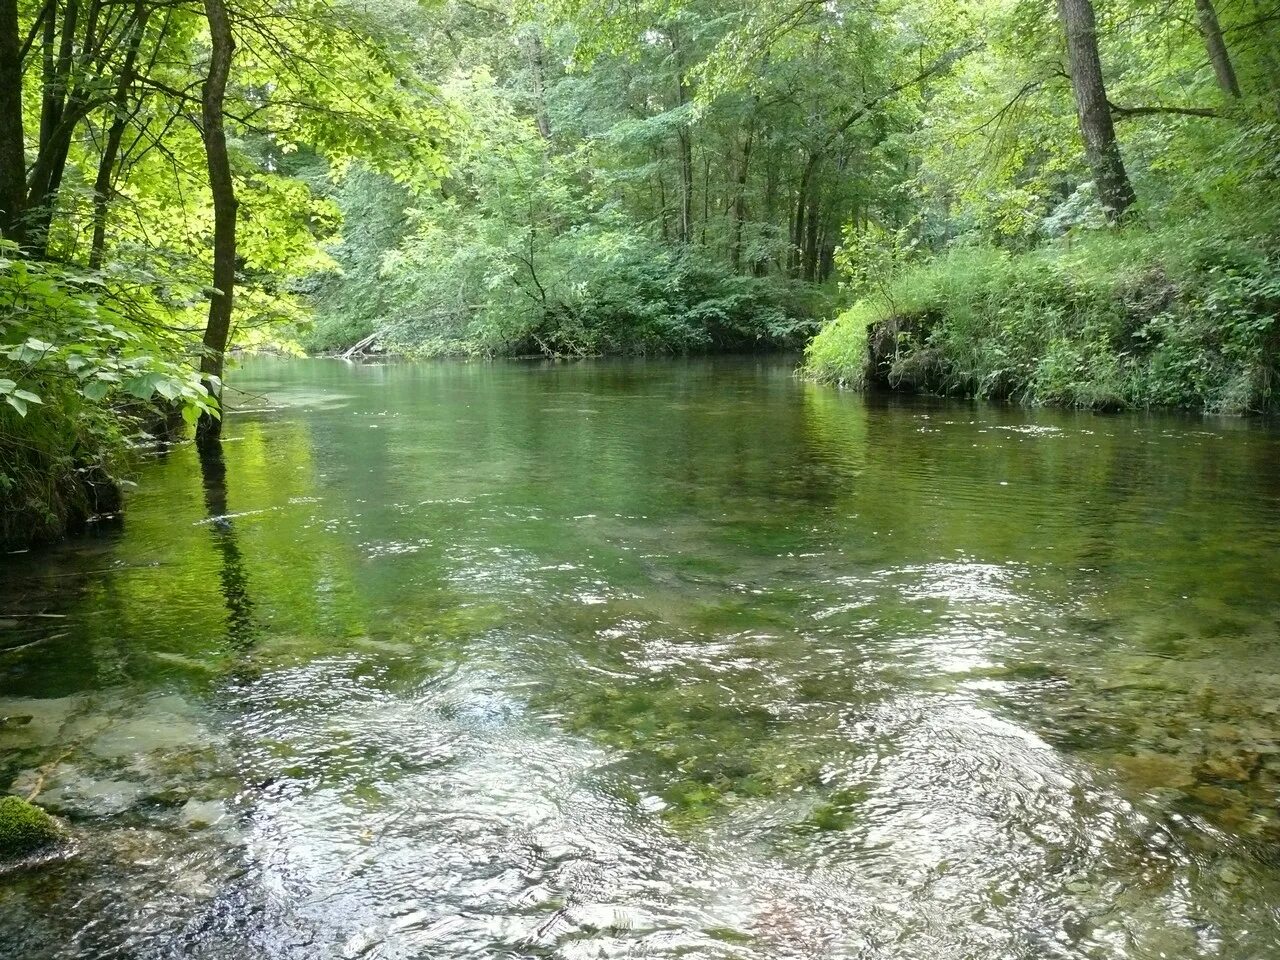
(1122, 113)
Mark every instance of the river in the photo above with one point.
(655, 659)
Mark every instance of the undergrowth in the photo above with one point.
(1184, 316)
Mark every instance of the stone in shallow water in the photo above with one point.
(164, 724)
(1153, 771)
(202, 813)
(24, 828)
(27, 722)
(70, 791)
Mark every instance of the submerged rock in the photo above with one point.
(202, 813)
(24, 828)
(70, 791)
(1153, 771)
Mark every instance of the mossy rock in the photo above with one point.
(828, 816)
(24, 828)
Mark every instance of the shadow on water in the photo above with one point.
(231, 573)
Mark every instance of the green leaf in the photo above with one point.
(18, 404)
(144, 386)
(95, 389)
(168, 389)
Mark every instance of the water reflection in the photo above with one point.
(659, 660)
(231, 574)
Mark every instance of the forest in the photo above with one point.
(655, 479)
(1067, 204)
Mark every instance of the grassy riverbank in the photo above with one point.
(1182, 316)
(57, 469)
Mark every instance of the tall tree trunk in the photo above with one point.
(537, 70)
(71, 91)
(111, 149)
(54, 86)
(74, 107)
(799, 227)
(13, 179)
(1101, 149)
(684, 140)
(740, 199)
(662, 194)
(222, 187)
(811, 233)
(827, 261)
(1217, 47)
(686, 185)
(706, 194)
(761, 266)
(50, 99)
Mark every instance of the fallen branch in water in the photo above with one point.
(32, 643)
(361, 345)
(43, 772)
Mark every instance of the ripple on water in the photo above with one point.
(716, 668)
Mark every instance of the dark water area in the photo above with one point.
(656, 659)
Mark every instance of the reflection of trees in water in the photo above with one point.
(241, 628)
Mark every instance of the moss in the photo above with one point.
(24, 828)
(828, 816)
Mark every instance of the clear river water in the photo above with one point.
(655, 659)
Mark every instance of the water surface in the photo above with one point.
(656, 659)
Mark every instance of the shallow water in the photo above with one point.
(656, 660)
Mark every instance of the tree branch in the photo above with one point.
(1122, 113)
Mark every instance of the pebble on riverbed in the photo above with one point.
(25, 828)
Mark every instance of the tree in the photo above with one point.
(221, 299)
(13, 182)
(1207, 17)
(1102, 150)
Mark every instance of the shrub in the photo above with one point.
(1185, 316)
(79, 367)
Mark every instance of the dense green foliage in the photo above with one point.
(82, 364)
(108, 224)
(449, 280)
(620, 207)
(1181, 316)
(578, 178)
(1008, 281)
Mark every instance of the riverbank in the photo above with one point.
(653, 302)
(58, 469)
(1181, 317)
